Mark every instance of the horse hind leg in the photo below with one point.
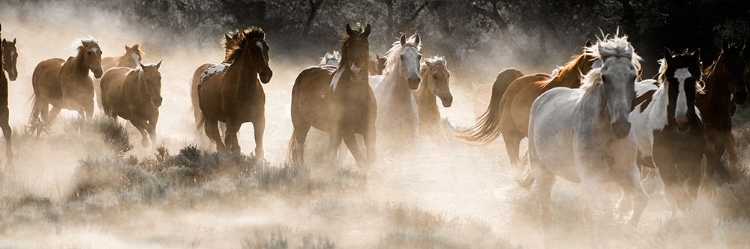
(212, 131)
(230, 137)
(259, 127)
(7, 133)
(512, 144)
(545, 179)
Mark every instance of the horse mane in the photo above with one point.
(394, 53)
(615, 46)
(79, 44)
(335, 55)
(237, 42)
(434, 60)
(591, 80)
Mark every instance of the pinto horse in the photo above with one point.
(337, 100)
(397, 108)
(4, 111)
(66, 83)
(233, 95)
(510, 105)
(435, 84)
(584, 136)
(231, 42)
(667, 126)
(130, 59)
(135, 95)
(10, 59)
(725, 87)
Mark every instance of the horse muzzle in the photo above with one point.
(97, 73)
(265, 76)
(413, 82)
(13, 75)
(621, 128)
(447, 100)
(157, 101)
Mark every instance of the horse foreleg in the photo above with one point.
(715, 142)
(7, 133)
(334, 141)
(259, 127)
(669, 176)
(351, 142)
(731, 150)
(88, 107)
(230, 136)
(212, 131)
(635, 194)
(151, 129)
(543, 191)
(370, 139)
(141, 125)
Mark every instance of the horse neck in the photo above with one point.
(425, 98)
(246, 75)
(569, 76)
(79, 67)
(396, 82)
(716, 82)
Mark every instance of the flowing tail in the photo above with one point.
(487, 127)
(294, 154)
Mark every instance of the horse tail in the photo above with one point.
(487, 127)
(35, 111)
(293, 155)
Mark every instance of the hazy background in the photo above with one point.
(91, 184)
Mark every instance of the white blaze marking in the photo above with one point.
(12, 53)
(354, 68)
(681, 74)
(94, 50)
(136, 57)
(213, 69)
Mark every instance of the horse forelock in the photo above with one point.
(615, 46)
(238, 40)
(435, 61)
(82, 43)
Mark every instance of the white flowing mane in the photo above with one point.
(616, 45)
(393, 56)
(592, 79)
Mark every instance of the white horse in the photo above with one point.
(398, 120)
(583, 135)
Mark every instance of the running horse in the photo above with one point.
(4, 111)
(130, 59)
(725, 87)
(135, 95)
(230, 42)
(10, 59)
(584, 136)
(337, 100)
(668, 128)
(435, 84)
(234, 95)
(66, 83)
(510, 105)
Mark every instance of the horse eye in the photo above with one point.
(419, 57)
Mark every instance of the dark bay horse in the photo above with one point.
(4, 112)
(66, 83)
(337, 100)
(725, 87)
(10, 59)
(510, 104)
(135, 95)
(667, 126)
(130, 59)
(234, 94)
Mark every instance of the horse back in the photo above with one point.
(519, 96)
(310, 97)
(109, 62)
(46, 78)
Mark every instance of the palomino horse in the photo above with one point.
(135, 95)
(66, 84)
(508, 112)
(397, 109)
(233, 94)
(130, 59)
(667, 126)
(435, 84)
(4, 112)
(583, 135)
(10, 59)
(725, 87)
(338, 101)
(230, 44)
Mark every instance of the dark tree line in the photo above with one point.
(529, 34)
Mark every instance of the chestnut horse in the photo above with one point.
(10, 59)
(4, 112)
(66, 84)
(233, 95)
(435, 84)
(135, 95)
(508, 112)
(130, 59)
(724, 79)
(337, 100)
(230, 44)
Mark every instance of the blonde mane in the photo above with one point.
(78, 44)
(393, 56)
(434, 60)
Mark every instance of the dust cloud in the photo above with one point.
(70, 188)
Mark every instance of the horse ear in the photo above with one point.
(367, 30)
(158, 65)
(416, 40)
(667, 54)
(126, 47)
(697, 53)
(429, 63)
(403, 39)
(588, 43)
(724, 46)
(349, 30)
(14, 41)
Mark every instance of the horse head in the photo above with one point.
(92, 56)
(10, 58)
(355, 53)
(618, 74)
(409, 60)
(439, 79)
(133, 52)
(734, 65)
(255, 46)
(151, 80)
(682, 73)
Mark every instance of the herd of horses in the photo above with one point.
(592, 121)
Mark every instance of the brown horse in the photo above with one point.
(130, 59)
(233, 95)
(435, 84)
(135, 95)
(4, 112)
(10, 59)
(338, 101)
(230, 44)
(509, 109)
(66, 84)
(723, 79)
